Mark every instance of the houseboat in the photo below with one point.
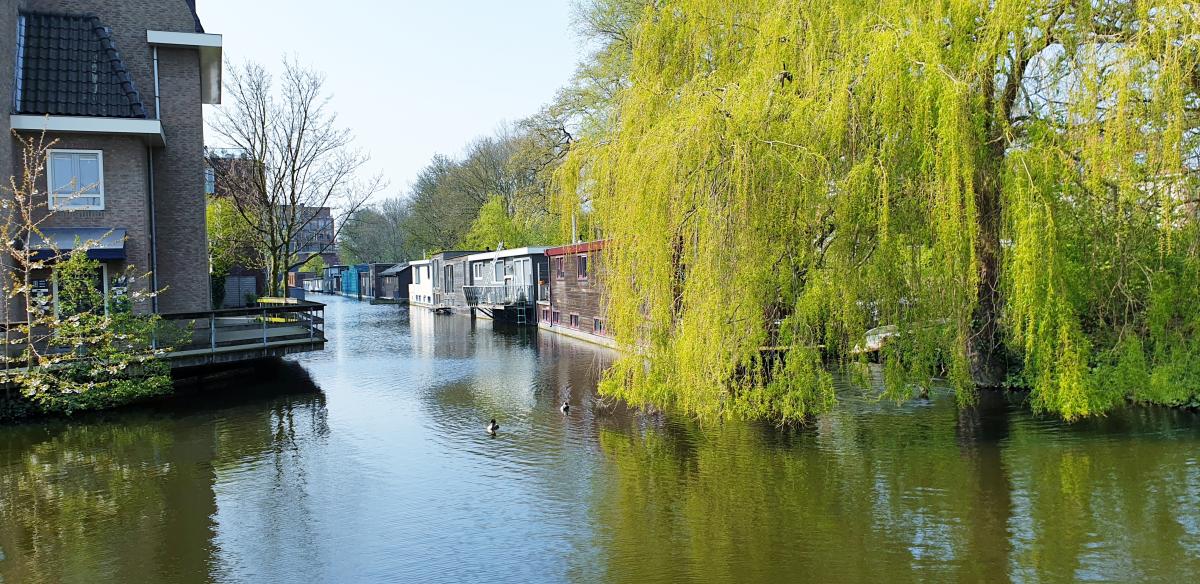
(393, 284)
(371, 281)
(331, 279)
(575, 304)
(449, 270)
(506, 284)
(352, 280)
(420, 291)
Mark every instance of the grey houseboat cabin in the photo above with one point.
(575, 305)
(393, 284)
(504, 284)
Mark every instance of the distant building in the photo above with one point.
(316, 236)
(119, 84)
(575, 306)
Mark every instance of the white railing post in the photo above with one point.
(212, 332)
(264, 320)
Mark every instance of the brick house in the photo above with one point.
(119, 84)
(575, 306)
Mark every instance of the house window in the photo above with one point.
(210, 181)
(84, 303)
(574, 321)
(76, 179)
(508, 268)
(545, 315)
(583, 266)
(597, 326)
(560, 270)
(556, 317)
(417, 275)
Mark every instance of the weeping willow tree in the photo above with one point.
(1006, 186)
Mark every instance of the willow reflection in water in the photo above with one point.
(881, 493)
(387, 475)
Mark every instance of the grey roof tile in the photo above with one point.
(69, 65)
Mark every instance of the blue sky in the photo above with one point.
(411, 78)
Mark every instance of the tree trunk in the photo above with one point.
(985, 348)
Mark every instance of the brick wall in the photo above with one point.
(178, 167)
(179, 185)
(125, 196)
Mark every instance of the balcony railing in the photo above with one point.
(283, 328)
(499, 295)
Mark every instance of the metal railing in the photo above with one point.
(287, 327)
(498, 295)
(243, 328)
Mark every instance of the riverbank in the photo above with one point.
(188, 386)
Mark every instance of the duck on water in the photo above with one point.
(492, 427)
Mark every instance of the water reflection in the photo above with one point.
(386, 474)
(129, 496)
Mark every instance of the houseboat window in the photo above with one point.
(417, 275)
(560, 270)
(499, 270)
(583, 266)
(508, 267)
(477, 272)
(448, 280)
(574, 321)
(76, 179)
(597, 326)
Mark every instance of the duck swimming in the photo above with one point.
(492, 427)
(566, 407)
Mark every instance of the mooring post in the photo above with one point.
(264, 320)
(212, 332)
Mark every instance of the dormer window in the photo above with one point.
(76, 180)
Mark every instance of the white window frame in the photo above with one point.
(53, 197)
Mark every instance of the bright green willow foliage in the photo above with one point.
(785, 175)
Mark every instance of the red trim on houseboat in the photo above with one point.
(585, 247)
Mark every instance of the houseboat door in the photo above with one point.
(521, 273)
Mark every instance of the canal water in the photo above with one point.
(369, 462)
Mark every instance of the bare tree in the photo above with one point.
(292, 160)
